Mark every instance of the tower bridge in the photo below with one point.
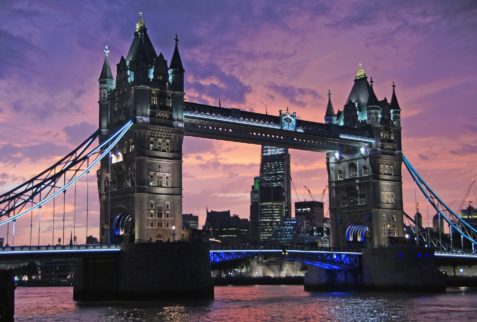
(362, 144)
(143, 119)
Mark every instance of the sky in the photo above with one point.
(255, 55)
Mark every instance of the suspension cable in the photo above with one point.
(31, 223)
(8, 233)
(74, 215)
(13, 232)
(54, 209)
(87, 202)
(64, 209)
(39, 222)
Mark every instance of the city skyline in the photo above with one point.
(265, 66)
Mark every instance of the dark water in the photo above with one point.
(255, 303)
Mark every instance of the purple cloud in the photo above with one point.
(77, 133)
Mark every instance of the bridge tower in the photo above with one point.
(140, 186)
(365, 184)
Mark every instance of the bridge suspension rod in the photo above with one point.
(444, 211)
(15, 203)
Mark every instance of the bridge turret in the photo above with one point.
(106, 86)
(330, 116)
(395, 109)
(176, 70)
(350, 112)
(141, 56)
(160, 77)
(373, 109)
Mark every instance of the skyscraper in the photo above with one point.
(255, 210)
(274, 190)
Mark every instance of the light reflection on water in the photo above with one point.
(254, 303)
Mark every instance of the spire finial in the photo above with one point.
(287, 109)
(371, 82)
(360, 73)
(140, 22)
(106, 51)
(176, 39)
(329, 94)
(394, 85)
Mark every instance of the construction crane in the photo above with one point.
(465, 196)
(294, 189)
(323, 193)
(309, 192)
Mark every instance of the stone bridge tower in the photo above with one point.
(365, 185)
(140, 186)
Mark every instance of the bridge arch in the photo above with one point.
(122, 225)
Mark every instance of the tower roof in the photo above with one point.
(141, 47)
(394, 102)
(176, 62)
(362, 92)
(329, 108)
(106, 70)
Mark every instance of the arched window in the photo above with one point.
(353, 170)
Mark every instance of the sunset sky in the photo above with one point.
(254, 55)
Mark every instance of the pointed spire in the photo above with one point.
(106, 70)
(176, 62)
(140, 25)
(394, 102)
(220, 103)
(360, 72)
(329, 108)
(371, 82)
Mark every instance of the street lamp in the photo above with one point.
(173, 233)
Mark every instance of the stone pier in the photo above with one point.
(146, 271)
(7, 296)
(383, 269)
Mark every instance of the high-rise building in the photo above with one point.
(255, 210)
(228, 229)
(189, 221)
(309, 216)
(274, 190)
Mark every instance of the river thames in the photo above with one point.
(254, 303)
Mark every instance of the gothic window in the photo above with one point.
(344, 200)
(151, 143)
(352, 170)
(152, 224)
(152, 179)
(387, 197)
(168, 205)
(151, 213)
(168, 214)
(168, 147)
(161, 212)
(362, 198)
(154, 99)
(167, 224)
(340, 174)
(365, 170)
(166, 181)
(159, 224)
(151, 204)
